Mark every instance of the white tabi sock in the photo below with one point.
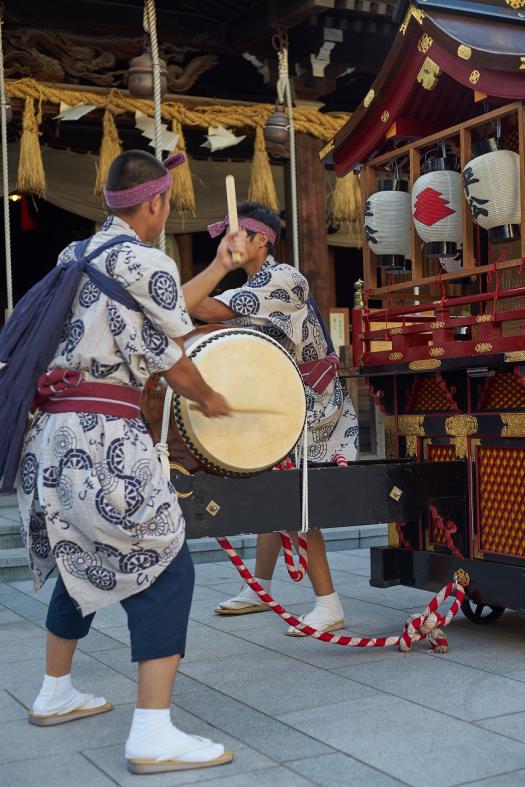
(327, 609)
(249, 596)
(153, 737)
(58, 695)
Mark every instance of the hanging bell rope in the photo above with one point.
(150, 27)
(284, 93)
(110, 148)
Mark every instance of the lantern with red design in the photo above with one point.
(492, 188)
(387, 225)
(437, 206)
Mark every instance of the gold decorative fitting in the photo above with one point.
(516, 4)
(428, 74)
(411, 445)
(515, 355)
(435, 351)
(424, 43)
(439, 324)
(522, 63)
(213, 508)
(395, 356)
(464, 52)
(460, 427)
(461, 577)
(513, 425)
(324, 152)
(395, 493)
(180, 469)
(414, 13)
(484, 318)
(394, 331)
(426, 363)
(483, 347)
(474, 77)
(369, 98)
(411, 425)
(385, 115)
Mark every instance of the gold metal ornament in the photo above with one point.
(428, 74)
(464, 52)
(474, 77)
(460, 427)
(213, 508)
(424, 364)
(412, 13)
(369, 97)
(513, 424)
(179, 468)
(424, 43)
(516, 4)
(385, 115)
(436, 351)
(484, 318)
(395, 356)
(395, 331)
(324, 152)
(515, 355)
(483, 347)
(522, 63)
(461, 577)
(438, 324)
(395, 493)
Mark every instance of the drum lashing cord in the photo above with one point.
(416, 627)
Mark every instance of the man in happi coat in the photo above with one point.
(94, 500)
(275, 300)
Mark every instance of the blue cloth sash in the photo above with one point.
(29, 340)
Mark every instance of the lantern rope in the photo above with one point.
(5, 178)
(150, 26)
(284, 92)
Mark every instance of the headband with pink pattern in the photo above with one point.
(245, 223)
(136, 195)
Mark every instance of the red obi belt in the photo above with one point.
(319, 374)
(62, 391)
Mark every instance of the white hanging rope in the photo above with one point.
(305, 519)
(284, 93)
(150, 26)
(162, 446)
(5, 178)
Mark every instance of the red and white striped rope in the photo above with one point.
(416, 628)
(297, 573)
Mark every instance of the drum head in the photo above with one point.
(262, 385)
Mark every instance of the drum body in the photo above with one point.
(262, 385)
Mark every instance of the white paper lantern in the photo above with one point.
(437, 207)
(492, 188)
(387, 224)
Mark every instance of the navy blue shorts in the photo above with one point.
(157, 616)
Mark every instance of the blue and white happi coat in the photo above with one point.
(92, 494)
(274, 301)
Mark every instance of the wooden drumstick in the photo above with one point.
(233, 219)
(195, 407)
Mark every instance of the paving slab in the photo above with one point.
(425, 678)
(511, 725)
(242, 678)
(512, 779)
(260, 731)
(10, 708)
(53, 770)
(410, 742)
(336, 770)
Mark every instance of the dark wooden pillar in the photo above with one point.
(311, 203)
(185, 246)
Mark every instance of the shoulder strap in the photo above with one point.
(111, 287)
(328, 339)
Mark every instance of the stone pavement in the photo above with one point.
(294, 711)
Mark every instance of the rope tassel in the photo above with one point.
(182, 193)
(346, 199)
(262, 187)
(110, 148)
(31, 175)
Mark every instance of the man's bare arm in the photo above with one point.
(212, 310)
(201, 285)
